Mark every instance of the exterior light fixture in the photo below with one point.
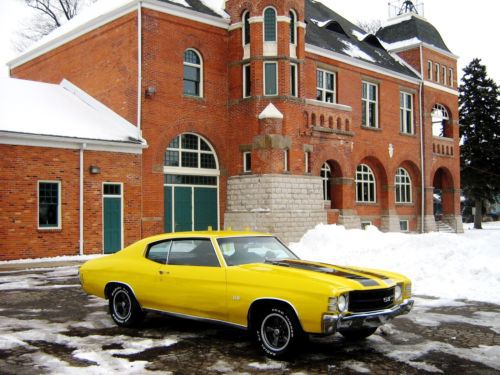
(391, 150)
(150, 91)
(94, 169)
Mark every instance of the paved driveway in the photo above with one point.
(48, 325)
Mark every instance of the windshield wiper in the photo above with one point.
(277, 262)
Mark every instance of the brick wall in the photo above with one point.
(21, 167)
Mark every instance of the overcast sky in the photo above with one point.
(469, 28)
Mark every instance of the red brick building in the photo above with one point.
(272, 115)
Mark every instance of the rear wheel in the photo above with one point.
(278, 332)
(357, 334)
(124, 308)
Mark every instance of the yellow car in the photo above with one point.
(249, 280)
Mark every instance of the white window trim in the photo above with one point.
(451, 76)
(307, 162)
(264, 25)
(407, 230)
(430, 70)
(243, 32)
(403, 185)
(121, 196)
(190, 170)
(277, 78)
(295, 33)
(363, 182)
(324, 90)
(444, 75)
(437, 72)
(296, 76)
(59, 205)
(366, 115)
(365, 223)
(403, 123)
(200, 66)
(246, 168)
(245, 81)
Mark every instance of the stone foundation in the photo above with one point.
(285, 205)
(454, 221)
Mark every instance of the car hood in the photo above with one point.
(339, 276)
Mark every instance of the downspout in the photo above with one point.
(422, 153)
(80, 246)
(139, 67)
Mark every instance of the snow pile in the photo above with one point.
(62, 258)
(439, 264)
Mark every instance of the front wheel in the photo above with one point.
(357, 334)
(124, 308)
(278, 332)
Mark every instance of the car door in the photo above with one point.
(193, 282)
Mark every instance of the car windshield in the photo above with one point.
(245, 250)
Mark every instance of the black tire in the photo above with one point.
(124, 308)
(357, 334)
(278, 332)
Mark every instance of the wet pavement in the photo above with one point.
(49, 325)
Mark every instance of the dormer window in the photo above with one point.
(270, 25)
(293, 27)
(246, 28)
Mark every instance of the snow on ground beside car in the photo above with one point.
(448, 266)
(63, 258)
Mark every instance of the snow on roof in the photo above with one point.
(355, 51)
(88, 15)
(216, 6)
(401, 44)
(320, 23)
(62, 110)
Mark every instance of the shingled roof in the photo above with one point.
(412, 27)
(329, 30)
(200, 6)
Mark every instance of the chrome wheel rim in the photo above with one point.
(275, 332)
(122, 305)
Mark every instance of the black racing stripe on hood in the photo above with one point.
(374, 274)
(327, 270)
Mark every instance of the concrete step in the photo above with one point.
(443, 227)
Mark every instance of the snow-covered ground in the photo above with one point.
(448, 266)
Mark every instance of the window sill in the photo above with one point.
(371, 128)
(373, 204)
(409, 204)
(411, 135)
(337, 106)
(49, 230)
(194, 97)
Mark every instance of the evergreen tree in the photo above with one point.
(479, 128)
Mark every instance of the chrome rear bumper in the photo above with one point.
(334, 323)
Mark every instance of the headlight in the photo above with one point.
(397, 292)
(332, 304)
(342, 303)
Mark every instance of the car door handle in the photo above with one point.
(163, 272)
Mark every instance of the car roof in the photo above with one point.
(209, 233)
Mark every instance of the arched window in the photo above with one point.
(270, 25)
(293, 27)
(193, 73)
(246, 28)
(440, 118)
(190, 151)
(326, 175)
(402, 181)
(365, 184)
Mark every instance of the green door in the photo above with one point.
(112, 224)
(183, 208)
(205, 208)
(168, 209)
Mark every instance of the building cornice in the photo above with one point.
(441, 88)
(425, 45)
(110, 16)
(37, 140)
(358, 63)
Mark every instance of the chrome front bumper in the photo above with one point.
(334, 323)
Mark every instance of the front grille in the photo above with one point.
(371, 300)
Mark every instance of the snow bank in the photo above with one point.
(62, 258)
(442, 265)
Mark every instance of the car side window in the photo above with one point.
(157, 252)
(193, 252)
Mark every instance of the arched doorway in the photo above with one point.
(191, 184)
(443, 197)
